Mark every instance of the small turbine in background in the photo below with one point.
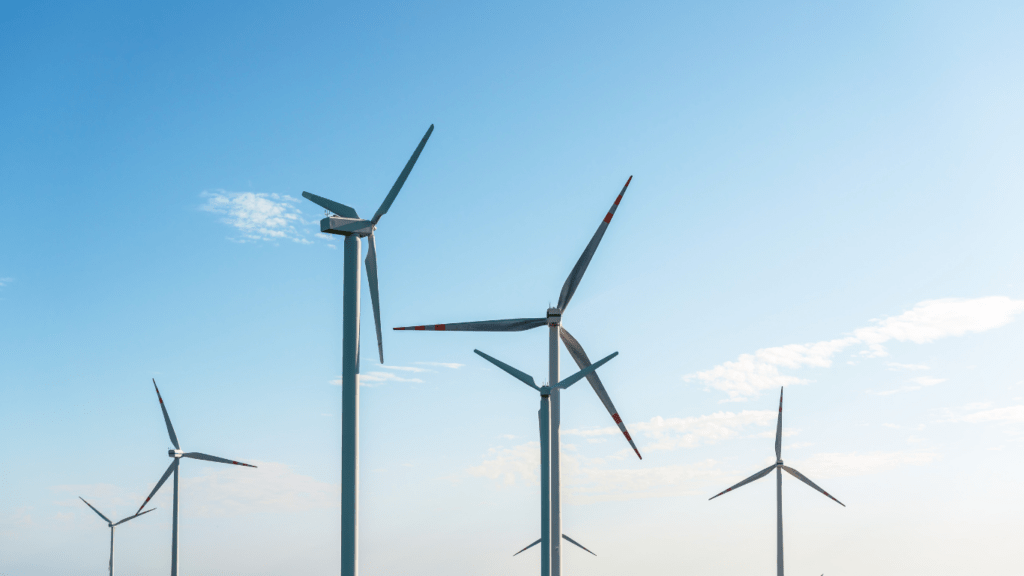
(779, 467)
(112, 525)
(177, 454)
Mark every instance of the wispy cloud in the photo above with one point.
(379, 377)
(217, 490)
(1013, 414)
(674, 433)
(452, 365)
(926, 322)
(898, 366)
(5, 281)
(835, 465)
(919, 382)
(258, 216)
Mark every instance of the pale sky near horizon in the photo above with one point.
(825, 197)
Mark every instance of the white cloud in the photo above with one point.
(258, 216)
(452, 365)
(836, 465)
(673, 433)
(898, 366)
(5, 281)
(926, 322)
(376, 378)
(510, 464)
(217, 490)
(1013, 414)
(406, 368)
(920, 382)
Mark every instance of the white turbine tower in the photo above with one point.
(177, 454)
(348, 224)
(778, 467)
(112, 525)
(553, 320)
(543, 416)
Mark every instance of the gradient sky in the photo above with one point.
(826, 197)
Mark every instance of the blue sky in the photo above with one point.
(824, 197)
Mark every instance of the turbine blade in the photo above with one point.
(371, 277)
(760, 474)
(778, 431)
(577, 543)
(401, 178)
(577, 353)
(134, 516)
(514, 325)
(573, 281)
(207, 457)
(807, 481)
(527, 548)
(588, 370)
(170, 469)
(519, 374)
(335, 207)
(167, 419)
(94, 510)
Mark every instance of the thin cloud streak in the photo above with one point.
(926, 322)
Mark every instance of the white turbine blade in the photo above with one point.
(207, 457)
(577, 353)
(527, 548)
(401, 178)
(167, 419)
(170, 469)
(335, 207)
(514, 325)
(778, 430)
(760, 474)
(577, 543)
(371, 277)
(807, 481)
(576, 275)
(583, 373)
(94, 510)
(134, 516)
(519, 374)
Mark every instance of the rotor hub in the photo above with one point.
(174, 453)
(554, 317)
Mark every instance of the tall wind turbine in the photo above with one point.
(347, 223)
(545, 445)
(779, 467)
(177, 454)
(111, 525)
(553, 320)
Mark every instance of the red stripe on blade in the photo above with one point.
(608, 218)
(439, 327)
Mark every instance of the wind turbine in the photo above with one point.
(111, 525)
(545, 445)
(553, 320)
(177, 454)
(347, 223)
(779, 467)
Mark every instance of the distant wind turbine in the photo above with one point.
(112, 525)
(553, 320)
(545, 444)
(177, 454)
(779, 467)
(348, 224)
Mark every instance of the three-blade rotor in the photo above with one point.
(572, 282)
(778, 464)
(177, 454)
(366, 228)
(528, 380)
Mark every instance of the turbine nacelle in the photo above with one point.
(175, 453)
(554, 317)
(347, 226)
